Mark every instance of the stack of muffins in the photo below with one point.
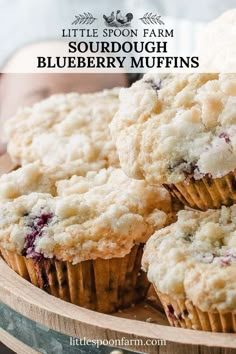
(179, 131)
(75, 216)
(71, 221)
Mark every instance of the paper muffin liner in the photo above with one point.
(100, 285)
(206, 193)
(182, 313)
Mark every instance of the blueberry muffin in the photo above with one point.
(192, 264)
(69, 130)
(84, 244)
(179, 131)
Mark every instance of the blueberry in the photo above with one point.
(225, 136)
(155, 86)
(36, 223)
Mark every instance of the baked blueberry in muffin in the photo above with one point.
(179, 131)
(84, 244)
(192, 265)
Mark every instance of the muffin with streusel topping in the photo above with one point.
(84, 244)
(66, 132)
(192, 264)
(179, 131)
(57, 138)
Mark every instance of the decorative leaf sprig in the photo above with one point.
(84, 19)
(151, 19)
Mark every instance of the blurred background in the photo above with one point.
(26, 23)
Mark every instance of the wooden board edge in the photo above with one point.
(14, 344)
(72, 320)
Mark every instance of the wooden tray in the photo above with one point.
(144, 321)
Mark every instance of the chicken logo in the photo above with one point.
(118, 20)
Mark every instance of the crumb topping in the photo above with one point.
(171, 126)
(195, 258)
(103, 215)
(69, 130)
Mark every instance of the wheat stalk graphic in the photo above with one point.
(84, 19)
(151, 19)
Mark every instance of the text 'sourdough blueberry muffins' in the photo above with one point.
(192, 264)
(85, 244)
(180, 131)
(69, 130)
